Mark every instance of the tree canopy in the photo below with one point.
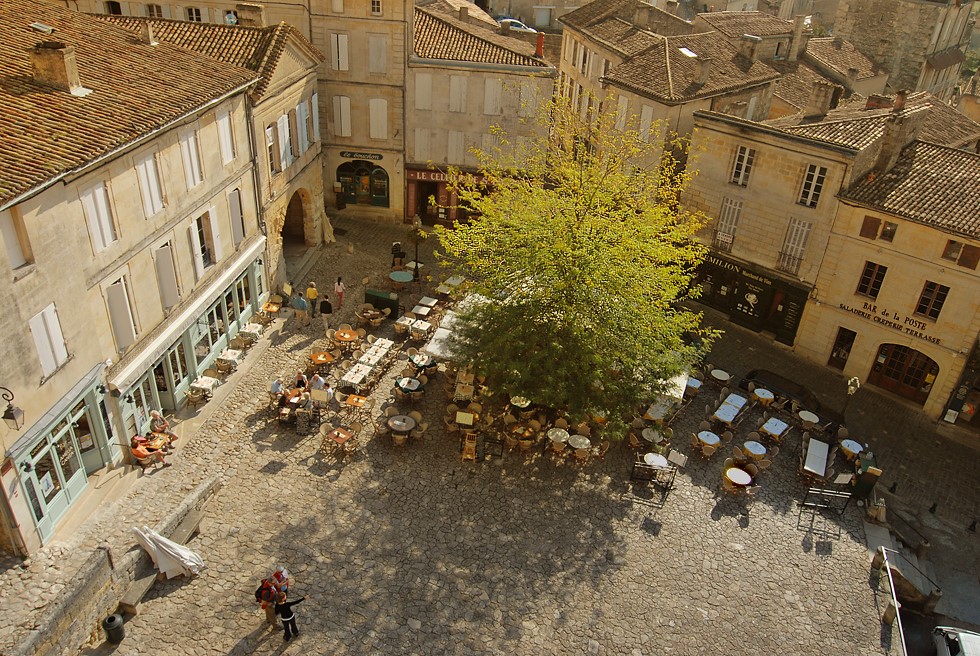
(578, 254)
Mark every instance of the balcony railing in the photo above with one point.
(723, 241)
(789, 263)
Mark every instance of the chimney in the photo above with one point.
(146, 34)
(851, 78)
(878, 102)
(819, 102)
(53, 64)
(838, 42)
(797, 43)
(641, 17)
(464, 13)
(899, 101)
(539, 47)
(702, 69)
(504, 28)
(900, 130)
(250, 14)
(748, 46)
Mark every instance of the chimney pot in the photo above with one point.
(53, 64)
(539, 47)
(250, 14)
(464, 13)
(146, 34)
(821, 95)
(702, 69)
(899, 101)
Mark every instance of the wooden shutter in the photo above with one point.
(457, 152)
(237, 218)
(646, 121)
(191, 157)
(226, 141)
(377, 54)
(42, 342)
(149, 177)
(491, 97)
(378, 108)
(295, 147)
(301, 135)
(457, 93)
(338, 47)
(95, 203)
(285, 156)
(215, 235)
(196, 249)
(120, 314)
(422, 151)
(53, 326)
(341, 115)
(796, 238)
(869, 229)
(315, 106)
(969, 256)
(423, 91)
(622, 107)
(166, 276)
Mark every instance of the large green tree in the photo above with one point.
(580, 255)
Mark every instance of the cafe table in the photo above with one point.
(693, 386)
(763, 396)
(420, 326)
(422, 360)
(401, 276)
(401, 424)
(407, 384)
(738, 476)
(658, 410)
(651, 435)
(355, 401)
(726, 414)
(735, 400)
(270, 309)
(404, 321)
(206, 384)
(464, 418)
(655, 460)
(465, 377)
(421, 310)
(157, 441)
(720, 375)
(428, 301)
(558, 435)
(774, 428)
(579, 441)
(413, 265)
(443, 290)
(708, 438)
(340, 435)
(520, 402)
(371, 358)
(356, 375)
(809, 419)
(321, 357)
(346, 336)
(816, 457)
(755, 450)
(851, 448)
(231, 356)
(463, 392)
(253, 330)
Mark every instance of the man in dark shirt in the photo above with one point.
(285, 613)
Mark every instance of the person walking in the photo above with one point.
(311, 296)
(266, 595)
(339, 289)
(285, 612)
(326, 310)
(302, 310)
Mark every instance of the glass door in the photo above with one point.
(85, 437)
(55, 479)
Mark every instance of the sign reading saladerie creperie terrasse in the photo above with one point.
(907, 325)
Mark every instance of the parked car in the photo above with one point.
(786, 388)
(517, 25)
(951, 641)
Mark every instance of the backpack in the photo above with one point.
(258, 593)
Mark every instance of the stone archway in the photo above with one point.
(294, 225)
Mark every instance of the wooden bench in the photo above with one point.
(148, 575)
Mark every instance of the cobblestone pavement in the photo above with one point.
(408, 550)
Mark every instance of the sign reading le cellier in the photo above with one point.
(893, 320)
(353, 154)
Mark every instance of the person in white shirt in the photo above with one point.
(339, 288)
(277, 385)
(317, 382)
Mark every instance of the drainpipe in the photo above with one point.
(256, 190)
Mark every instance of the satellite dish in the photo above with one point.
(231, 18)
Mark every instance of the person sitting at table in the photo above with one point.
(150, 439)
(144, 456)
(277, 387)
(317, 382)
(301, 381)
(304, 401)
(159, 424)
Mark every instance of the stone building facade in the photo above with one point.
(132, 246)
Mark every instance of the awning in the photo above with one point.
(175, 326)
(45, 421)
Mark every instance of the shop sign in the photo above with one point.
(893, 320)
(428, 176)
(353, 154)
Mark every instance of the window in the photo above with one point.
(646, 122)
(237, 217)
(727, 223)
(205, 241)
(375, 7)
(194, 15)
(744, 158)
(377, 54)
(337, 6)
(456, 148)
(151, 187)
(794, 245)
(303, 126)
(542, 16)
(315, 117)
(113, 8)
(457, 93)
(95, 204)
(963, 254)
(15, 238)
(341, 116)
(154, 11)
(48, 340)
(121, 314)
(870, 226)
(338, 52)
(888, 230)
(931, 301)
(163, 260)
(423, 151)
(272, 144)
(491, 96)
(226, 137)
(778, 53)
(294, 143)
(871, 278)
(285, 143)
(812, 185)
(423, 91)
(190, 153)
(622, 107)
(379, 118)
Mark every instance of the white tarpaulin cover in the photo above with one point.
(169, 557)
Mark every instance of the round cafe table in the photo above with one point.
(655, 460)
(558, 435)
(808, 417)
(720, 375)
(755, 449)
(345, 335)
(520, 402)
(851, 448)
(401, 423)
(408, 384)
(738, 476)
(651, 435)
(579, 442)
(401, 276)
(709, 438)
(764, 396)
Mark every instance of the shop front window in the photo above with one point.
(230, 303)
(178, 368)
(47, 476)
(67, 457)
(244, 294)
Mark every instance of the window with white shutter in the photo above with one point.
(727, 224)
(151, 188)
(163, 260)
(456, 150)
(491, 96)
(302, 122)
(315, 118)
(339, 52)
(646, 122)
(378, 109)
(48, 340)
(237, 217)
(423, 91)
(190, 153)
(15, 238)
(794, 245)
(285, 152)
(457, 93)
(214, 237)
(120, 314)
(341, 116)
(226, 137)
(272, 146)
(377, 54)
(622, 107)
(423, 151)
(95, 204)
(205, 239)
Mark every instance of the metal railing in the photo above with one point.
(883, 550)
(789, 263)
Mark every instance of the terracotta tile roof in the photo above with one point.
(136, 88)
(840, 55)
(853, 125)
(610, 22)
(452, 7)
(255, 48)
(597, 11)
(440, 36)
(796, 82)
(666, 74)
(737, 23)
(929, 184)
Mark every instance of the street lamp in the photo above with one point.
(853, 385)
(417, 234)
(14, 416)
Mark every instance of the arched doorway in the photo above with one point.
(904, 371)
(363, 183)
(294, 225)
